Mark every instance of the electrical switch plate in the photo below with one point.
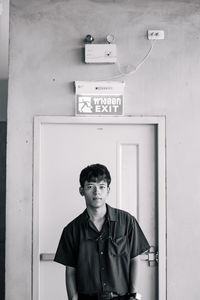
(100, 53)
(155, 34)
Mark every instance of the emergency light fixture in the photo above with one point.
(100, 53)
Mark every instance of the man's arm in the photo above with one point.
(134, 270)
(70, 276)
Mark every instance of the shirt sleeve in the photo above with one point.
(137, 240)
(65, 253)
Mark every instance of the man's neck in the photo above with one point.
(97, 213)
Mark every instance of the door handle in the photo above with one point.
(151, 256)
(47, 256)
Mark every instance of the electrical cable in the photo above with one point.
(135, 69)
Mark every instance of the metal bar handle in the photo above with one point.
(47, 256)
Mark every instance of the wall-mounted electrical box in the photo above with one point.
(155, 34)
(101, 53)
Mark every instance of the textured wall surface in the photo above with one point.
(4, 36)
(46, 57)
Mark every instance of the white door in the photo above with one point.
(64, 149)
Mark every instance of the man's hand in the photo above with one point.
(75, 297)
(136, 296)
(71, 283)
(134, 270)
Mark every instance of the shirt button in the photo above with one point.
(104, 284)
(101, 252)
(102, 268)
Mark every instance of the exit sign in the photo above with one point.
(99, 105)
(103, 98)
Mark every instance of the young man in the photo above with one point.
(100, 247)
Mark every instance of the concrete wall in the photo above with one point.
(4, 36)
(46, 57)
(4, 32)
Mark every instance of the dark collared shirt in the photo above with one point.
(101, 258)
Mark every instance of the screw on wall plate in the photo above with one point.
(155, 34)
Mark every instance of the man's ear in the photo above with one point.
(108, 189)
(81, 191)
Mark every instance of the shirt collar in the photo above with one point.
(111, 214)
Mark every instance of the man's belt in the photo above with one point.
(103, 296)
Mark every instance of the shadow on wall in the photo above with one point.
(3, 130)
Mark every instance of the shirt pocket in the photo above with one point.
(119, 246)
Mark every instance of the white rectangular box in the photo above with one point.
(155, 34)
(100, 53)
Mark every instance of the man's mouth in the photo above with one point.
(96, 198)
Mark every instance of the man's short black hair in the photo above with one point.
(95, 172)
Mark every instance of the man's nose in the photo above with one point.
(96, 190)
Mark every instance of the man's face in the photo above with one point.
(95, 193)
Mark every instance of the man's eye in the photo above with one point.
(102, 187)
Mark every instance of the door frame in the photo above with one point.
(160, 123)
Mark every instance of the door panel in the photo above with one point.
(129, 153)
